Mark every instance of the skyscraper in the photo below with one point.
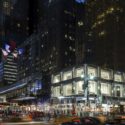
(105, 33)
(63, 30)
(14, 20)
(10, 70)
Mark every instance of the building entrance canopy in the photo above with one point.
(12, 87)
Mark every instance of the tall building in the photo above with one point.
(105, 33)
(63, 33)
(10, 70)
(14, 20)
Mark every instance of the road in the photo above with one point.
(28, 123)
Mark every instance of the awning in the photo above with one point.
(12, 87)
(24, 98)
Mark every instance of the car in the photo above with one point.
(110, 123)
(65, 119)
(90, 121)
(71, 123)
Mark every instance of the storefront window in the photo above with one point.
(92, 87)
(67, 75)
(105, 74)
(118, 90)
(79, 72)
(106, 88)
(92, 72)
(118, 78)
(56, 79)
(56, 91)
(67, 90)
(79, 87)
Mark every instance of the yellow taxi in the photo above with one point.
(63, 118)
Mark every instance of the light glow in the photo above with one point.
(80, 1)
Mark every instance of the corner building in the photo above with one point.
(106, 90)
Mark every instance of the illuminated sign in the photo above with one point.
(80, 1)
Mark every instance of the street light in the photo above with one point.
(86, 88)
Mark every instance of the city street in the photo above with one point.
(62, 62)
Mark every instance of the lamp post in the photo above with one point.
(86, 89)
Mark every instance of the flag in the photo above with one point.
(7, 48)
(20, 51)
(5, 53)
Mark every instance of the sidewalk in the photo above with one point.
(26, 123)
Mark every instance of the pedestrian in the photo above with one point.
(48, 116)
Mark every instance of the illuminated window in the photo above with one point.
(67, 89)
(70, 48)
(118, 78)
(18, 25)
(42, 45)
(67, 75)
(65, 35)
(79, 87)
(80, 23)
(12, 8)
(51, 56)
(118, 90)
(92, 87)
(102, 33)
(101, 16)
(6, 4)
(66, 53)
(27, 28)
(56, 79)
(79, 72)
(106, 88)
(105, 74)
(92, 72)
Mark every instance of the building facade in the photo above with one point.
(90, 86)
(10, 70)
(13, 26)
(105, 33)
(63, 32)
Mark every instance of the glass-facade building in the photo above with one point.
(105, 87)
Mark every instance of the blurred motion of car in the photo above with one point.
(102, 118)
(65, 119)
(71, 123)
(26, 117)
(83, 121)
(90, 121)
